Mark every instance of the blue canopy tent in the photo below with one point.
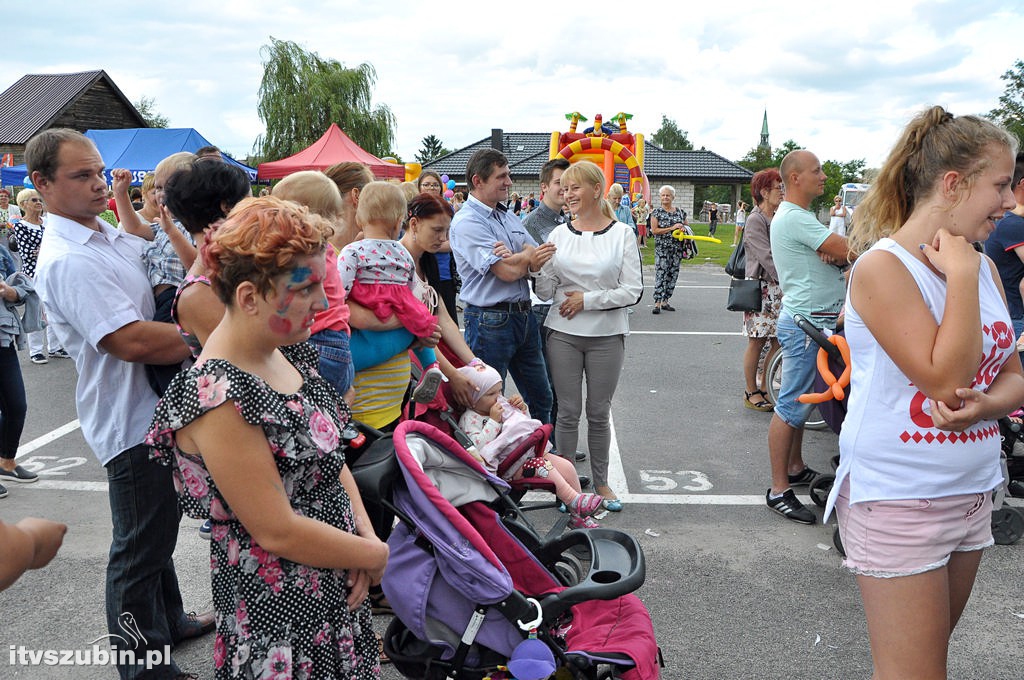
(137, 149)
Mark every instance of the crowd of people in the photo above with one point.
(221, 323)
(228, 340)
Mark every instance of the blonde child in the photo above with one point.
(497, 425)
(378, 273)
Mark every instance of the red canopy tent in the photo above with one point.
(334, 147)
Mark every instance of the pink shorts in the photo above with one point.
(900, 538)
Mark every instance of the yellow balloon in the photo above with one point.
(679, 235)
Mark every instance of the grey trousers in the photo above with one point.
(600, 359)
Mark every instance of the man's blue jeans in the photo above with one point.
(510, 342)
(143, 599)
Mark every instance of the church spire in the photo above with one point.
(764, 132)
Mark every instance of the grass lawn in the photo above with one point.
(717, 253)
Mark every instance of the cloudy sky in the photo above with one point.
(840, 78)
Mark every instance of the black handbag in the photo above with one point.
(737, 264)
(744, 295)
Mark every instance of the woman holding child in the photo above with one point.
(592, 279)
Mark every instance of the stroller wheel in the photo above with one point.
(569, 569)
(837, 541)
(820, 488)
(1007, 525)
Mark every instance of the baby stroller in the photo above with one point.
(472, 601)
(444, 414)
(1007, 521)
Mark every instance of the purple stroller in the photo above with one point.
(467, 593)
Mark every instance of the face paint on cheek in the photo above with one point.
(280, 325)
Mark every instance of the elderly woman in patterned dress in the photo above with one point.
(668, 252)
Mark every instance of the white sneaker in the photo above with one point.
(39, 359)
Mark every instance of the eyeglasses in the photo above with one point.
(36, 200)
(430, 185)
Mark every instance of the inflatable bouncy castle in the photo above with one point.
(614, 148)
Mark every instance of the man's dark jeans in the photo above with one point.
(510, 342)
(142, 589)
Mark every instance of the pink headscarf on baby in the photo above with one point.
(482, 376)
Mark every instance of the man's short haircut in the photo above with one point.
(42, 150)
(482, 164)
(381, 202)
(793, 162)
(549, 168)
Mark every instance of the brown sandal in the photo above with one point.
(762, 404)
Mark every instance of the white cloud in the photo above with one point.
(839, 78)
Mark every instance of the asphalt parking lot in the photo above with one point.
(734, 590)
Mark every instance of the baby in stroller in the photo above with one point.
(497, 426)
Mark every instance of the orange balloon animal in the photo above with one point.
(834, 388)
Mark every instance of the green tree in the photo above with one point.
(301, 94)
(146, 106)
(669, 136)
(1010, 112)
(432, 149)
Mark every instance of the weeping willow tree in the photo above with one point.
(301, 94)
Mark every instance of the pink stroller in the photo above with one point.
(473, 601)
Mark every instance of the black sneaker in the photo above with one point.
(790, 507)
(18, 474)
(580, 456)
(60, 354)
(38, 358)
(3, 491)
(804, 477)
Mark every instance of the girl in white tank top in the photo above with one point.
(933, 366)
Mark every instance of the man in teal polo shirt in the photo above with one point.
(809, 259)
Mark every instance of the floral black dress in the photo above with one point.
(275, 618)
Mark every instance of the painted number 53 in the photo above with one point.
(667, 480)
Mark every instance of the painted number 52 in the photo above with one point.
(42, 465)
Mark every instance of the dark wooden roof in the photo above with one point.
(39, 101)
(528, 151)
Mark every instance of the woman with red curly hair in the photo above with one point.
(253, 435)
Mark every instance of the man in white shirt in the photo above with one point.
(93, 282)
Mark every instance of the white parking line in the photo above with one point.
(42, 441)
(616, 479)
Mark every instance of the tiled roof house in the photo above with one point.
(81, 101)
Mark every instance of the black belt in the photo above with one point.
(509, 307)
